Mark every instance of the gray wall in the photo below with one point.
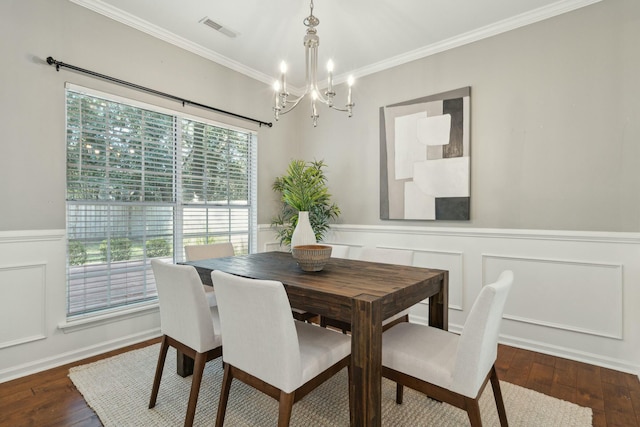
(32, 106)
(555, 124)
(555, 115)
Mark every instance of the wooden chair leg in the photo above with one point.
(224, 395)
(196, 380)
(285, 408)
(497, 393)
(164, 347)
(399, 393)
(473, 411)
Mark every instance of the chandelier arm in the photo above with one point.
(293, 104)
(344, 110)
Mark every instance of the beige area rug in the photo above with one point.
(118, 390)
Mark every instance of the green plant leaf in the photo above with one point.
(303, 188)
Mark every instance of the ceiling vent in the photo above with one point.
(213, 24)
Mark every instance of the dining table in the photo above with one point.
(362, 293)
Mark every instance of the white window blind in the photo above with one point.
(142, 182)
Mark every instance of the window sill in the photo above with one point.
(98, 319)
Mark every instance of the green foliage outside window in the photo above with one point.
(158, 248)
(120, 249)
(77, 253)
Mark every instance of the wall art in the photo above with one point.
(425, 160)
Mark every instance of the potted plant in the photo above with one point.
(303, 189)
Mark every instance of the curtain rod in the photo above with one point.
(184, 102)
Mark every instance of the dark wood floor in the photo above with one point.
(50, 398)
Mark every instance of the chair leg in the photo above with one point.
(285, 408)
(399, 393)
(473, 411)
(164, 347)
(224, 395)
(198, 370)
(497, 393)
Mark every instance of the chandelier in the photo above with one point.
(283, 104)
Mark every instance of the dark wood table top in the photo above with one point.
(339, 282)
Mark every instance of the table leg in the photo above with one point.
(184, 364)
(439, 305)
(365, 388)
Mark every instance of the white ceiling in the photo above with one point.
(361, 36)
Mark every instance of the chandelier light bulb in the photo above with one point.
(283, 67)
(330, 66)
(350, 81)
(276, 86)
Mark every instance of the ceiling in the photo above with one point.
(361, 36)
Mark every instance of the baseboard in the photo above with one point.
(75, 355)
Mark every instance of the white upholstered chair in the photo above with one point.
(385, 256)
(187, 324)
(278, 355)
(448, 367)
(213, 250)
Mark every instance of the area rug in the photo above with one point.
(118, 390)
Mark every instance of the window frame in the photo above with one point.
(179, 205)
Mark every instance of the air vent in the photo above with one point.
(220, 28)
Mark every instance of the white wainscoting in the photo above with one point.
(23, 326)
(33, 304)
(595, 288)
(576, 294)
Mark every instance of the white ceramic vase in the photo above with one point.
(303, 233)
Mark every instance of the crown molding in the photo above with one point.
(494, 29)
(531, 17)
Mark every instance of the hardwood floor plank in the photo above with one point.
(635, 401)
(518, 372)
(613, 377)
(540, 378)
(632, 382)
(562, 391)
(599, 418)
(618, 407)
(589, 386)
(545, 359)
(566, 372)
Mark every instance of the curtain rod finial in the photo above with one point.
(52, 61)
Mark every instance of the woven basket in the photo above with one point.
(311, 257)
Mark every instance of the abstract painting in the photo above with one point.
(425, 160)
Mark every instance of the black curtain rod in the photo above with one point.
(184, 102)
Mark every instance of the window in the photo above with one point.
(143, 182)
